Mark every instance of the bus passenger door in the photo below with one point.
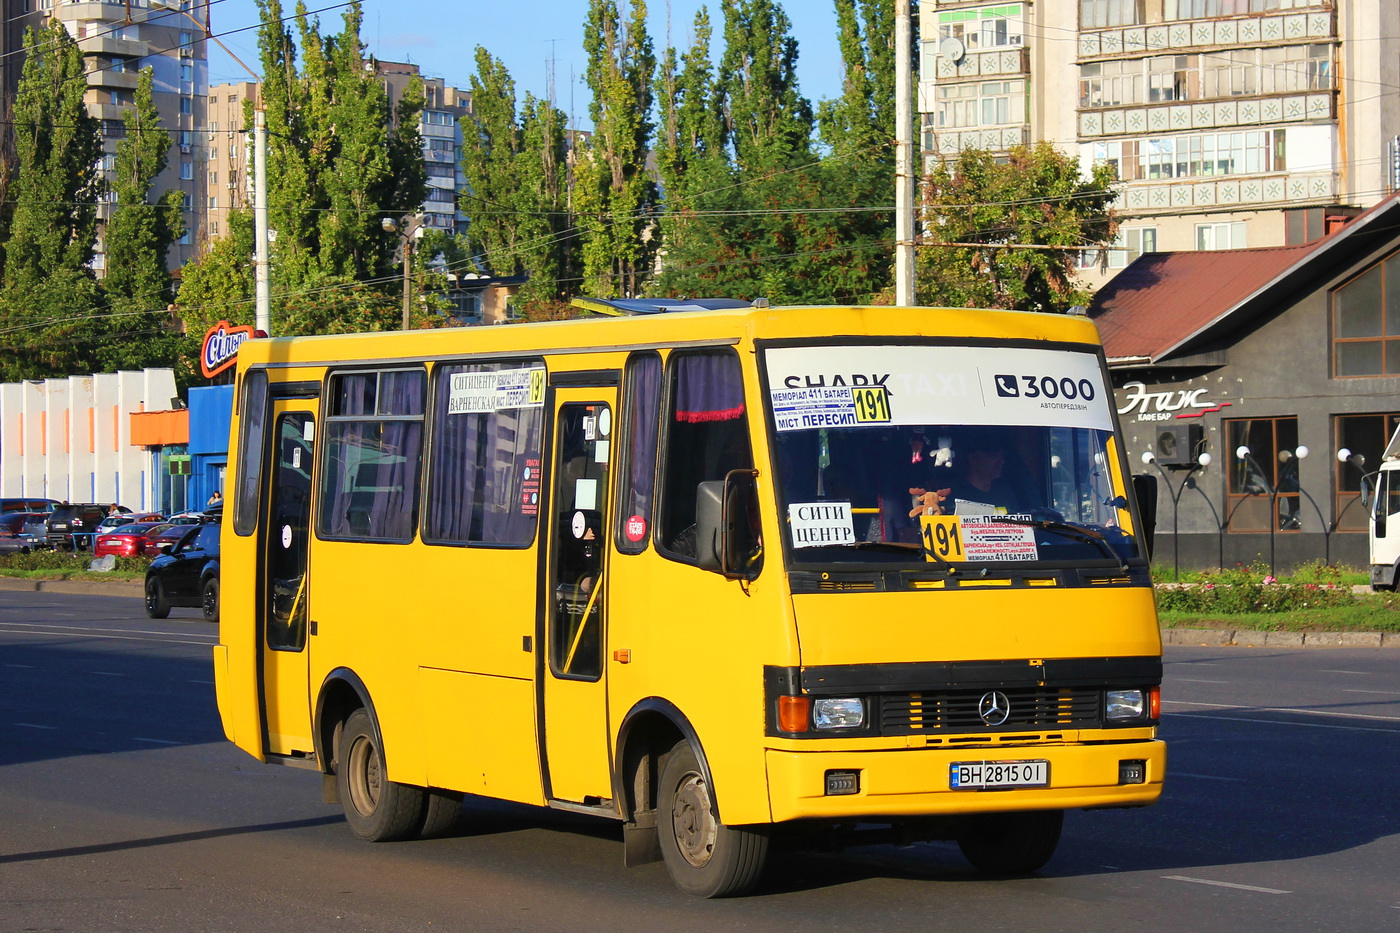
(575, 718)
(282, 580)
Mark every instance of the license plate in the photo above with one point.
(980, 775)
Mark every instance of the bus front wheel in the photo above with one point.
(377, 809)
(704, 857)
(1011, 843)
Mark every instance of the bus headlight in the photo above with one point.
(828, 714)
(1125, 704)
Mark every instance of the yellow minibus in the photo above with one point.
(715, 572)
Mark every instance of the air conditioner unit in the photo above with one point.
(186, 52)
(1178, 444)
(185, 150)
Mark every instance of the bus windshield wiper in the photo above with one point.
(937, 558)
(1070, 531)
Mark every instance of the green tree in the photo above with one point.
(548, 249)
(47, 319)
(614, 194)
(986, 218)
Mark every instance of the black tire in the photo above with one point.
(156, 605)
(704, 857)
(209, 600)
(1012, 843)
(377, 809)
(441, 811)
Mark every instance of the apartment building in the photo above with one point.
(229, 155)
(1231, 123)
(441, 128)
(119, 38)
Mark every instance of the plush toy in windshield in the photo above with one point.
(928, 501)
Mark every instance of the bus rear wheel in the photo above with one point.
(377, 809)
(1011, 843)
(704, 857)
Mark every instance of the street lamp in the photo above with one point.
(409, 227)
(1201, 463)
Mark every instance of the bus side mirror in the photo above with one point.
(1145, 490)
(726, 522)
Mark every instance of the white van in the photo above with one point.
(1385, 518)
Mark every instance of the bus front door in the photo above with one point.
(282, 581)
(575, 718)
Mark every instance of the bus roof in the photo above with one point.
(676, 327)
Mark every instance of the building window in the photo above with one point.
(1170, 77)
(213, 202)
(213, 178)
(187, 171)
(1220, 236)
(186, 105)
(1366, 322)
(1110, 84)
(1265, 482)
(1366, 436)
(983, 103)
(1208, 154)
(983, 29)
(1098, 14)
(1130, 243)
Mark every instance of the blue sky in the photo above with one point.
(441, 36)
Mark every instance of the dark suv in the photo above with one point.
(65, 521)
(186, 575)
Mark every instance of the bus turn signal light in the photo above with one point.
(793, 713)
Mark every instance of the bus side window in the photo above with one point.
(706, 436)
(641, 407)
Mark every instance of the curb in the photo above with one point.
(123, 588)
(1208, 637)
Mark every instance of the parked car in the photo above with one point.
(27, 505)
(126, 518)
(170, 535)
(17, 531)
(128, 540)
(74, 525)
(187, 575)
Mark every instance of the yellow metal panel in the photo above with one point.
(482, 734)
(915, 782)
(954, 625)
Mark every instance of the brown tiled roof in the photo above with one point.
(1166, 303)
(1162, 298)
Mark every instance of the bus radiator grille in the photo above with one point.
(957, 710)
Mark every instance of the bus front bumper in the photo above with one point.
(915, 782)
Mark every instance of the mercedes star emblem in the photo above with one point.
(994, 708)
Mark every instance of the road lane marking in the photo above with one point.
(1362, 673)
(1188, 680)
(1206, 777)
(105, 674)
(1226, 884)
(29, 667)
(89, 634)
(1280, 722)
(34, 725)
(200, 681)
(45, 628)
(1389, 693)
(1285, 709)
(138, 738)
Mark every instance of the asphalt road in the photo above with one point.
(122, 808)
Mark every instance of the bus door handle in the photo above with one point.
(315, 626)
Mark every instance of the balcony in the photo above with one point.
(1309, 107)
(1208, 33)
(107, 78)
(1233, 192)
(112, 46)
(945, 144)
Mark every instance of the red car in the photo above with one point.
(128, 540)
(168, 533)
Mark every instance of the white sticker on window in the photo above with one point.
(586, 494)
(475, 392)
(296, 458)
(986, 538)
(815, 524)
(600, 452)
(308, 431)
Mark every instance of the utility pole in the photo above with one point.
(903, 157)
(262, 293)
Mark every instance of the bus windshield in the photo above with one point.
(981, 455)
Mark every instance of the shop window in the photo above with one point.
(374, 439)
(1366, 436)
(1263, 488)
(1366, 322)
(484, 471)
